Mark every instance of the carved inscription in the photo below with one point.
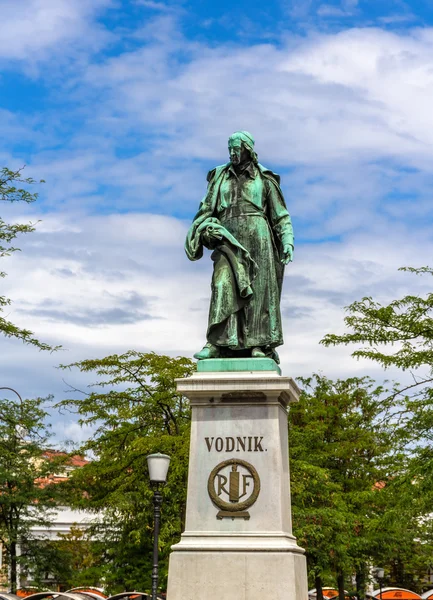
(249, 443)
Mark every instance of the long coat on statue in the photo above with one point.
(249, 213)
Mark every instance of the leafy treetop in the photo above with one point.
(400, 335)
(406, 324)
(26, 490)
(135, 410)
(10, 191)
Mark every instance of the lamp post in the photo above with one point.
(158, 466)
(380, 574)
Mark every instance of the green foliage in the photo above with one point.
(8, 232)
(136, 411)
(400, 335)
(72, 561)
(26, 494)
(340, 450)
(405, 324)
(350, 486)
(8, 190)
(403, 537)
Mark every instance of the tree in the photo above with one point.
(72, 560)
(8, 233)
(26, 494)
(340, 448)
(400, 334)
(136, 411)
(405, 324)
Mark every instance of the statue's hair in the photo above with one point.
(248, 142)
(253, 154)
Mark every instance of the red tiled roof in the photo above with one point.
(76, 460)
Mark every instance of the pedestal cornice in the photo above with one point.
(242, 387)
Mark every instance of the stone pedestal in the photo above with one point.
(238, 542)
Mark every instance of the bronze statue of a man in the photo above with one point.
(243, 218)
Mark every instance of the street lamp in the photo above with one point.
(158, 467)
(380, 574)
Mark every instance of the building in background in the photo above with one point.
(63, 520)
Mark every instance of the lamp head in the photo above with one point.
(158, 467)
(379, 573)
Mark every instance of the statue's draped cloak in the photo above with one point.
(249, 213)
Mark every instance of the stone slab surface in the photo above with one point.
(220, 365)
(256, 434)
(237, 576)
(242, 541)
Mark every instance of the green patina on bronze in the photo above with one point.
(243, 218)
(215, 365)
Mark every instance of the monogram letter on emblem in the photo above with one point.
(233, 486)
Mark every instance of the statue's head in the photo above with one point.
(241, 147)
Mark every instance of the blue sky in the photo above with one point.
(123, 106)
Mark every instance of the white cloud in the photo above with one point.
(329, 105)
(330, 10)
(361, 94)
(307, 12)
(74, 432)
(337, 110)
(34, 29)
(299, 8)
(339, 114)
(391, 78)
(73, 268)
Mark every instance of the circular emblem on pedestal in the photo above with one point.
(233, 486)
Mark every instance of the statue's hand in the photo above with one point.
(287, 254)
(211, 237)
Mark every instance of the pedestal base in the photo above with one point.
(238, 542)
(237, 576)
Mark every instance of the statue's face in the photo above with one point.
(237, 151)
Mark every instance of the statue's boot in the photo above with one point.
(208, 351)
(275, 356)
(257, 353)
